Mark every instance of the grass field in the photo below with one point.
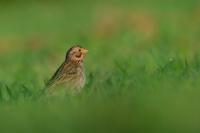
(143, 66)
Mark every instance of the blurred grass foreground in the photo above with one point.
(143, 66)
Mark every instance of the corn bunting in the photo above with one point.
(71, 73)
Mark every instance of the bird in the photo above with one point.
(70, 74)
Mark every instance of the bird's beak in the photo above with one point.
(84, 51)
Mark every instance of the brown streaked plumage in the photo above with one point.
(71, 72)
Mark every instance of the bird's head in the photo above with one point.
(76, 54)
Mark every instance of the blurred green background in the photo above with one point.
(143, 65)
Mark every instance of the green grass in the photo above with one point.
(143, 66)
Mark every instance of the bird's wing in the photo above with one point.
(65, 72)
(57, 76)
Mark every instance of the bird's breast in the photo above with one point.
(76, 78)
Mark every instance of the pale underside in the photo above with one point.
(67, 78)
